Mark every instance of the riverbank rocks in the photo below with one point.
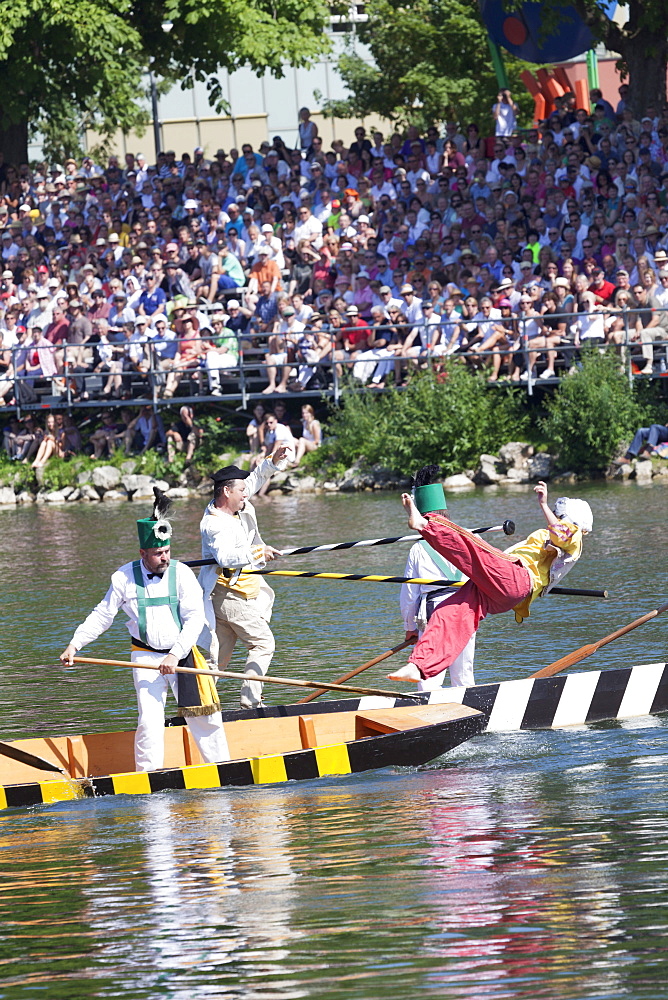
(644, 471)
(7, 496)
(458, 482)
(89, 493)
(178, 493)
(106, 477)
(141, 486)
(24, 497)
(114, 496)
(517, 462)
(55, 496)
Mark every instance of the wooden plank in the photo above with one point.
(190, 748)
(77, 757)
(369, 723)
(307, 732)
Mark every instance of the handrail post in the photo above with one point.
(627, 352)
(335, 377)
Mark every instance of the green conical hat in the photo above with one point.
(154, 534)
(428, 498)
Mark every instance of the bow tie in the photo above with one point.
(154, 576)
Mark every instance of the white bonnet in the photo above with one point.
(578, 512)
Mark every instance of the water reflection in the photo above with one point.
(531, 865)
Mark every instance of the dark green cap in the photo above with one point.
(428, 498)
(154, 534)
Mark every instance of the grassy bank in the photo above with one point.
(450, 418)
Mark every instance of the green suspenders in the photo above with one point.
(449, 572)
(144, 602)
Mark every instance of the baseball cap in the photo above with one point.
(234, 304)
(267, 228)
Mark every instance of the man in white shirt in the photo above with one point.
(417, 600)
(238, 604)
(163, 602)
(308, 228)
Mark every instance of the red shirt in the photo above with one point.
(604, 292)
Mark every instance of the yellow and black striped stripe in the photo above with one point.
(407, 748)
(302, 764)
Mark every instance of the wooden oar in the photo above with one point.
(508, 528)
(584, 651)
(262, 679)
(358, 670)
(31, 759)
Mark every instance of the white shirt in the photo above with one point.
(420, 564)
(310, 227)
(162, 631)
(229, 538)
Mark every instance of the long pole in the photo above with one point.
(358, 670)
(584, 651)
(360, 578)
(155, 113)
(260, 678)
(508, 528)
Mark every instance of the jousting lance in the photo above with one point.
(508, 528)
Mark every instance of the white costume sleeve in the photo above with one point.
(191, 610)
(103, 614)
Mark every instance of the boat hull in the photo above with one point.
(533, 703)
(407, 747)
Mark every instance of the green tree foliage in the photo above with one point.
(432, 62)
(591, 414)
(65, 64)
(447, 419)
(642, 44)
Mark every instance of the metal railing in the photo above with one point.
(138, 363)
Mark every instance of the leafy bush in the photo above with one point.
(592, 412)
(447, 418)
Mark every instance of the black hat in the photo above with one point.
(228, 473)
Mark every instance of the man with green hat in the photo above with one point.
(163, 602)
(418, 601)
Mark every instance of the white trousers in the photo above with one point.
(461, 671)
(151, 688)
(247, 621)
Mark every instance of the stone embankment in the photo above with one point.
(516, 463)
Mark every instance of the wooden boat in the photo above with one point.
(535, 703)
(269, 745)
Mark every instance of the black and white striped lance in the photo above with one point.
(529, 703)
(364, 543)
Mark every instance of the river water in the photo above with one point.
(525, 865)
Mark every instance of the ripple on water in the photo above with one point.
(523, 865)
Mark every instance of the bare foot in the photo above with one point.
(270, 388)
(408, 673)
(415, 518)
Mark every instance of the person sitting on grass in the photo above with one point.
(498, 581)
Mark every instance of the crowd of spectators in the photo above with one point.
(131, 279)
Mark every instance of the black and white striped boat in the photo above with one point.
(540, 703)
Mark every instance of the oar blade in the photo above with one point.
(567, 661)
(30, 759)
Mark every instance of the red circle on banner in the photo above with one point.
(515, 31)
